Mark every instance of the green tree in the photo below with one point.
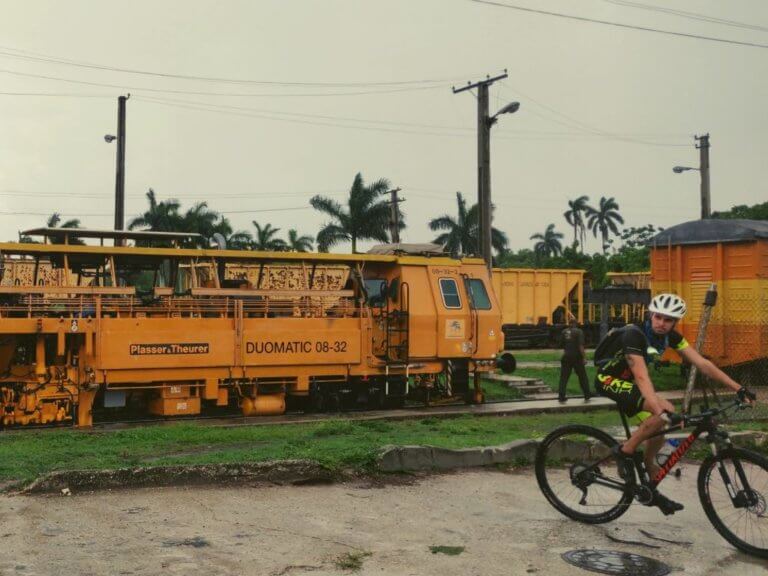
(756, 212)
(162, 216)
(365, 217)
(202, 220)
(239, 240)
(265, 238)
(575, 214)
(462, 232)
(635, 237)
(54, 221)
(604, 219)
(298, 243)
(548, 243)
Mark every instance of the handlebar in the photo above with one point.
(686, 420)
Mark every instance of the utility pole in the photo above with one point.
(703, 146)
(394, 215)
(484, 123)
(120, 176)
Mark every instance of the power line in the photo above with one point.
(465, 133)
(690, 15)
(58, 94)
(38, 57)
(110, 195)
(110, 214)
(617, 24)
(573, 123)
(123, 87)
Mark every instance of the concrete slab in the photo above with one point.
(493, 523)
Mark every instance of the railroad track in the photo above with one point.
(490, 408)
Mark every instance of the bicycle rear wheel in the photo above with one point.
(580, 477)
(739, 515)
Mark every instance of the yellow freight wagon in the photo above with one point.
(622, 313)
(533, 300)
(686, 259)
(173, 332)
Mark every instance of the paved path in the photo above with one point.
(497, 522)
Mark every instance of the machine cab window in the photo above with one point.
(478, 294)
(450, 293)
(376, 290)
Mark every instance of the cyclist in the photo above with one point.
(623, 377)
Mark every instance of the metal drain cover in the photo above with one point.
(618, 563)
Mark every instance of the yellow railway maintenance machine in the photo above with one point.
(172, 331)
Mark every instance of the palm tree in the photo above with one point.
(204, 221)
(574, 217)
(53, 222)
(161, 217)
(548, 243)
(604, 219)
(239, 240)
(264, 239)
(298, 243)
(365, 217)
(462, 232)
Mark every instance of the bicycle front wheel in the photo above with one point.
(733, 488)
(581, 477)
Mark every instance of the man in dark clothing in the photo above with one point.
(572, 341)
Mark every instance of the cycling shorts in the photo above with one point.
(625, 393)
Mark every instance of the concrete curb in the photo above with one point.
(274, 472)
(420, 458)
(413, 458)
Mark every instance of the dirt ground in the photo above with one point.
(480, 522)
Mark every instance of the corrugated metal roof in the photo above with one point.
(711, 231)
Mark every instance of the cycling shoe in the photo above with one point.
(664, 504)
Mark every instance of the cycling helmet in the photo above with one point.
(669, 305)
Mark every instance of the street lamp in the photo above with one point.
(486, 207)
(510, 108)
(484, 123)
(702, 143)
(108, 138)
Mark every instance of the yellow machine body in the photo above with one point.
(174, 331)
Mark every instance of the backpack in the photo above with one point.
(607, 347)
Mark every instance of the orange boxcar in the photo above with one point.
(686, 259)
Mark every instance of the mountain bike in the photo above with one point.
(582, 474)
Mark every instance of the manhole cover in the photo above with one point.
(620, 563)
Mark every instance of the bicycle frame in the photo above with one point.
(675, 456)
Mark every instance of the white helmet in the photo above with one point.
(669, 305)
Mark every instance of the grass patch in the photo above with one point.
(496, 391)
(351, 561)
(447, 550)
(336, 444)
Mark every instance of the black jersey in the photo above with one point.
(572, 341)
(636, 340)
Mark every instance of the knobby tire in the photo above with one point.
(712, 487)
(594, 445)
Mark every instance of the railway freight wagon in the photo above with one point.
(686, 259)
(537, 303)
(93, 330)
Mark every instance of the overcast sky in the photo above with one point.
(336, 87)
